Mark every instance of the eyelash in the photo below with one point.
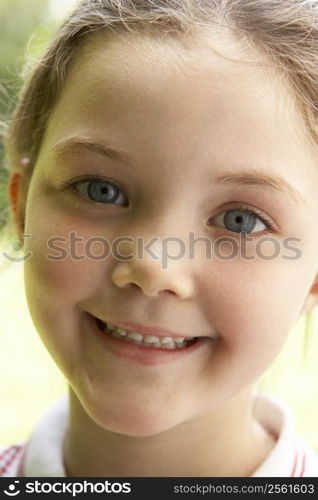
(243, 207)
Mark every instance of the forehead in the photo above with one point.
(170, 75)
(208, 93)
(145, 64)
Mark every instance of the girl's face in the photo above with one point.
(204, 146)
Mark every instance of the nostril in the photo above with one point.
(133, 285)
(168, 291)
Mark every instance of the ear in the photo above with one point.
(17, 195)
(312, 298)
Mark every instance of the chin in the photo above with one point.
(128, 419)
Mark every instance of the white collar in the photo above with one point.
(44, 450)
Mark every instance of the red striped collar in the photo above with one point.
(8, 456)
(299, 464)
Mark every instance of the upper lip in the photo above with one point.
(148, 330)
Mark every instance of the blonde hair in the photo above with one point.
(284, 31)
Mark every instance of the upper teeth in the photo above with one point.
(169, 342)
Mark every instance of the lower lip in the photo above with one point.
(149, 356)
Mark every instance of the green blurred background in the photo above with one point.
(30, 381)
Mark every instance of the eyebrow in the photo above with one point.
(73, 144)
(262, 179)
(245, 177)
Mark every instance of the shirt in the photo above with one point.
(42, 454)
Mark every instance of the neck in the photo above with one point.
(226, 443)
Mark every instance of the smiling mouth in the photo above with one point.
(145, 341)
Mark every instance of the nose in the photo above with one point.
(153, 277)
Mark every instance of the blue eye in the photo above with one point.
(243, 221)
(100, 191)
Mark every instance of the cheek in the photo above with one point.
(68, 261)
(57, 272)
(58, 282)
(254, 306)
